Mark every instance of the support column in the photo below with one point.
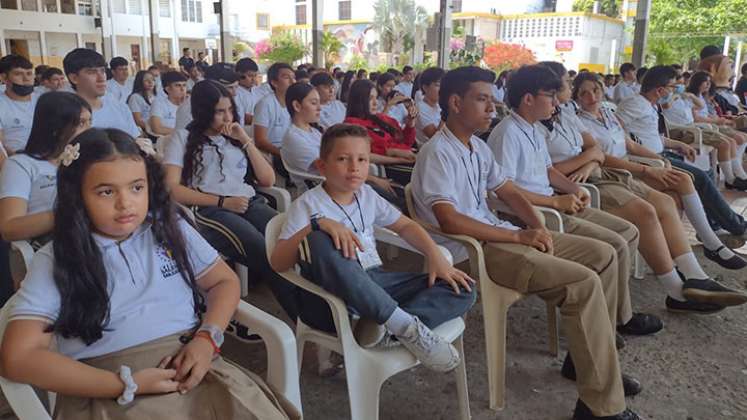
(79, 40)
(225, 35)
(738, 63)
(444, 33)
(43, 47)
(155, 41)
(317, 29)
(3, 50)
(640, 36)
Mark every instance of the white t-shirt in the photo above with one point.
(521, 150)
(624, 90)
(29, 179)
(114, 114)
(427, 115)
(118, 91)
(564, 141)
(165, 110)
(149, 299)
(244, 101)
(300, 150)
(274, 116)
(16, 118)
(641, 120)
(446, 171)
(184, 114)
(680, 111)
(367, 211)
(333, 112)
(405, 88)
(211, 180)
(608, 132)
(138, 104)
(703, 112)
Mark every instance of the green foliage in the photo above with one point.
(396, 22)
(610, 8)
(331, 46)
(240, 47)
(463, 57)
(357, 62)
(285, 48)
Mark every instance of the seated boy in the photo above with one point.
(335, 221)
(333, 111)
(163, 112)
(453, 174)
(17, 103)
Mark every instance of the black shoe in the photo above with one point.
(631, 386)
(688, 306)
(583, 412)
(734, 263)
(242, 333)
(708, 291)
(619, 341)
(739, 185)
(641, 324)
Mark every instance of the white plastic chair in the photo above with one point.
(282, 365)
(366, 369)
(21, 253)
(707, 156)
(496, 300)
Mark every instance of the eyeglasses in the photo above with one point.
(551, 95)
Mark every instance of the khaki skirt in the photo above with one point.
(226, 392)
(617, 188)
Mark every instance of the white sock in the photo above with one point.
(696, 215)
(738, 169)
(726, 170)
(689, 266)
(673, 283)
(399, 321)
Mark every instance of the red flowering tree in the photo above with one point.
(501, 56)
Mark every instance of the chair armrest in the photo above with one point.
(553, 218)
(391, 238)
(596, 198)
(656, 163)
(282, 356)
(24, 401)
(25, 249)
(281, 196)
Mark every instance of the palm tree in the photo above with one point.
(396, 21)
(331, 46)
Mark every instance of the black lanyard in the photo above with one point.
(473, 187)
(360, 213)
(562, 132)
(535, 145)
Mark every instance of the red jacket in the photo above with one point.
(382, 140)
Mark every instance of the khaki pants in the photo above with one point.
(711, 137)
(570, 279)
(623, 236)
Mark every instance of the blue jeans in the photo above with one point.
(716, 208)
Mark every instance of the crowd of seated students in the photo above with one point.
(81, 181)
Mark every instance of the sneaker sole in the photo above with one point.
(719, 298)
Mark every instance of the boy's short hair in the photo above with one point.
(457, 82)
(14, 61)
(153, 67)
(405, 69)
(656, 77)
(40, 69)
(626, 67)
(51, 71)
(531, 80)
(641, 72)
(246, 64)
(709, 51)
(117, 62)
(222, 73)
(185, 49)
(322, 79)
(301, 74)
(744, 69)
(81, 58)
(431, 75)
(338, 131)
(172, 77)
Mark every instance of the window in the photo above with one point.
(68, 6)
(263, 21)
(49, 6)
(134, 7)
(191, 11)
(91, 45)
(118, 6)
(164, 9)
(456, 6)
(344, 11)
(300, 14)
(85, 7)
(8, 4)
(28, 5)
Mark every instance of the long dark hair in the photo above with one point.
(696, 80)
(139, 87)
(345, 87)
(56, 116)
(358, 105)
(79, 271)
(382, 80)
(297, 92)
(205, 96)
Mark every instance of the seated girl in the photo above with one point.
(135, 299)
(429, 111)
(141, 98)
(390, 102)
(304, 136)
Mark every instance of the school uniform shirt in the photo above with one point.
(333, 112)
(405, 88)
(704, 112)
(244, 100)
(446, 171)
(16, 118)
(119, 91)
(211, 180)
(680, 111)
(137, 103)
(165, 110)
(300, 150)
(274, 116)
(498, 93)
(624, 90)
(607, 131)
(30, 179)
(183, 114)
(2, 87)
(642, 120)
(367, 210)
(148, 296)
(114, 114)
(521, 150)
(397, 112)
(427, 115)
(564, 141)
(609, 92)
(40, 90)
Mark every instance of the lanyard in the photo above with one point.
(473, 187)
(563, 133)
(360, 213)
(535, 145)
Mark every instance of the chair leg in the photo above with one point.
(639, 267)
(494, 315)
(300, 344)
(553, 328)
(460, 374)
(243, 274)
(364, 387)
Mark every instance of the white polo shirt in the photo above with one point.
(333, 112)
(427, 115)
(165, 110)
(680, 111)
(521, 150)
(564, 141)
(705, 111)
(118, 91)
(300, 150)
(149, 298)
(405, 88)
(641, 120)
(447, 171)
(607, 131)
(16, 118)
(624, 89)
(138, 104)
(114, 114)
(30, 179)
(183, 114)
(274, 116)
(228, 181)
(244, 100)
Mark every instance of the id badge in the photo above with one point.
(369, 258)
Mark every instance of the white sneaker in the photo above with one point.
(433, 351)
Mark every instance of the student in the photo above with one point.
(52, 80)
(520, 146)
(429, 112)
(337, 220)
(628, 85)
(361, 74)
(722, 72)
(162, 119)
(741, 89)
(609, 87)
(120, 327)
(391, 102)
(201, 58)
(405, 86)
(454, 172)
(304, 136)
(213, 166)
(119, 86)
(186, 61)
(195, 74)
(499, 93)
(271, 118)
(17, 102)
(224, 74)
(141, 99)
(347, 81)
(155, 71)
(247, 93)
(333, 111)
(86, 71)
(302, 76)
(641, 119)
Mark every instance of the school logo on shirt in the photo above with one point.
(168, 264)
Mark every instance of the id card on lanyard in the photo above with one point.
(369, 256)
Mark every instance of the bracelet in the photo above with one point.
(206, 335)
(246, 145)
(221, 199)
(125, 374)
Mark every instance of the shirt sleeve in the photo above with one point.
(201, 255)
(436, 168)
(129, 121)
(508, 154)
(157, 109)
(386, 213)
(262, 115)
(173, 152)
(38, 295)
(136, 103)
(298, 217)
(495, 177)
(15, 181)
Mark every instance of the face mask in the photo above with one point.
(679, 89)
(22, 90)
(665, 99)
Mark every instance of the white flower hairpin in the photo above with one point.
(146, 146)
(70, 154)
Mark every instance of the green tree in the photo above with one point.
(610, 8)
(396, 21)
(331, 46)
(285, 48)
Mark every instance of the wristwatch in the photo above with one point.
(215, 333)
